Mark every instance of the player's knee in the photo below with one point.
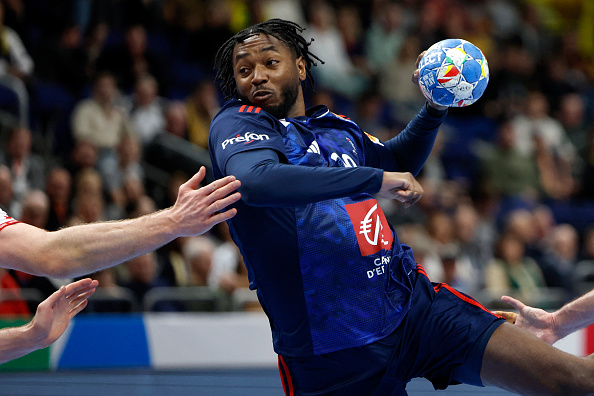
(579, 380)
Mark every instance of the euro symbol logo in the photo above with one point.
(367, 225)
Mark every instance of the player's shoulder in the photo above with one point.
(236, 110)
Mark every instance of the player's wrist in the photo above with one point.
(437, 109)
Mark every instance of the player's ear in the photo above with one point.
(301, 67)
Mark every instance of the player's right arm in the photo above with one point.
(87, 248)
(551, 327)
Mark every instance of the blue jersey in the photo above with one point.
(330, 274)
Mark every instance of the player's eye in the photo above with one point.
(272, 62)
(243, 70)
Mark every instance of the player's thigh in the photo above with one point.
(519, 362)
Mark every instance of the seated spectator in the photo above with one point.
(64, 60)
(116, 170)
(59, 191)
(26, 167)
(145, 108)
(8, 203)
(560, 258)
(98, 121)
(512, 272)
(36, 208)
(201, 106)
(142, 277)
(133, 59)
(16, 67)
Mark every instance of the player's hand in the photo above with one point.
(53, 314)
(402, 187)
(198, 210)
(415, 80)
(537, 321)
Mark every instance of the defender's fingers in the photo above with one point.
(195, 180)
(517, 304)
(78, 308)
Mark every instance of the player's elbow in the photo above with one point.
(54, 267)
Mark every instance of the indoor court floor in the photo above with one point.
(228, 382)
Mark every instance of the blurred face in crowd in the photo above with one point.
(105, 89)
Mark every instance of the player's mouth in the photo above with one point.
(261, 96)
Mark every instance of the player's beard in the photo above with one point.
(289, 94)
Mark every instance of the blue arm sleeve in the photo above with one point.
(267, 182)
(409, 150)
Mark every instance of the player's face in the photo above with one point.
(268, 75)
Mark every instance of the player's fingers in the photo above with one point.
(53, 298)
(79, 285)
(221, 204)
(75, 288)
(220, 187)
(517, 304)
(75, 300)
(223, 191)
(415, 76)
(73, 311)
(195, 180)
(220, 217)
(508, 316)
(419, 59)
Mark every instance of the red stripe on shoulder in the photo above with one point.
(249, 109)
(242, 108)
(257, 109)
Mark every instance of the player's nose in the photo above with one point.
(259, 75)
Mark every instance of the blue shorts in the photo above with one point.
(442, 338)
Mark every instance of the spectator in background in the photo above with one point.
(8, 203)
(560, 258)
(506, 171)
(64, 60)
(198, 252)
(59, 191)
(535, 121)
(350, 25)
(98, 121)
(385, 37)
(128, 62)
(201, 106)
(228, 272)
(16, 67)
(145, 108)
(394, 87)
(572, 116)
(512, 272)
(116, 170)
(142, 276)
(338, 74)
(36, 208)
(176, 121)
(26, 167)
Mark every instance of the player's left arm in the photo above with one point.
(409, 150)
(51, 320)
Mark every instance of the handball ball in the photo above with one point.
(453, 73)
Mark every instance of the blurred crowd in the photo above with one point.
(105, 107)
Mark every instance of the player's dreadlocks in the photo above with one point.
(286, 31)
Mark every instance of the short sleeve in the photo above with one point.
(6, 220)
